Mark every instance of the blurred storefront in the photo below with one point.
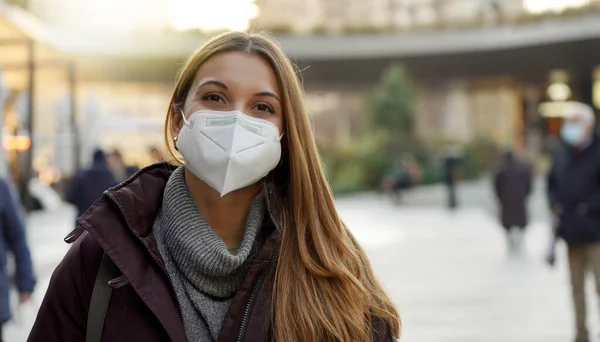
(507, 110)
(128, 116)
(465, 110)
(516, 111)
(75, 102)
(33, 76)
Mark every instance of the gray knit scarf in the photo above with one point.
(204, 274)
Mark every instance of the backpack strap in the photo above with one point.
(100, 299)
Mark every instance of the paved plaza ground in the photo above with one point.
(449, 273)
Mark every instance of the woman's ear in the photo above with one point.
(176, 119)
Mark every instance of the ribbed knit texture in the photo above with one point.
(204, 275)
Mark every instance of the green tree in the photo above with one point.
(391, 105)
(360, 164)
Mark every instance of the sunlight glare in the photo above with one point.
(212, 14)
(540, 6)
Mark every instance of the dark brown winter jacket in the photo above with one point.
(143, 305)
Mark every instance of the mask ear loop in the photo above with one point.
(185, 120)
(281, 158)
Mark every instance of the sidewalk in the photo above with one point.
(452, 280)
(45, 232)
(447, 272)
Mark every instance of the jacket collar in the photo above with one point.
(576, 151)
(138, 199)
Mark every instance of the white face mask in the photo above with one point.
(229, 150)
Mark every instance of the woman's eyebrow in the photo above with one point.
(269, 94)
(213, 82)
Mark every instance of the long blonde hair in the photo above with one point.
(325, 289)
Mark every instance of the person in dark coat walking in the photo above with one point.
(88, 185)
(512, 186)
(13, 239)
(574, 198)
(451, 157)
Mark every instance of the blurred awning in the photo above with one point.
(16, 23)
(527, 50)
(130, 123)
(175, 44)
(442, 41)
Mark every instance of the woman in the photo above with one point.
(243, 243)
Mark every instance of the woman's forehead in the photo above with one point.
(238, 70)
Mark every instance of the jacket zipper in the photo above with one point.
(257, 286)
(259, 281)
(114, 200)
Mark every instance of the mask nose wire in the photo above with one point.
(187, 122)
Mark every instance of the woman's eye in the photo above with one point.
(212, 97)
(263, 107)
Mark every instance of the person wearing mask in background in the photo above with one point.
(512, 186)
(117, 166)
(88, 185)
(13, 239)
(241, 242)
(574, 197)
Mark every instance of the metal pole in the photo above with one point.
(73, 117)
(27, 172)
(3, 97)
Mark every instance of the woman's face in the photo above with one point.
(235, 81)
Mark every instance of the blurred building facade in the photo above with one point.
(482, 69)
(478, 71)
(334, 16)
(281, 15)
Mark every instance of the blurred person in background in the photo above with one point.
(13, 239)
(414, 170)
(404, 174)
(88, 185)
(241, 243)
(117, 166)
(574, 197)
(512, 186)
(451, 156)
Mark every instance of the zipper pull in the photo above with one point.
(118, 282)
(74, 235)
